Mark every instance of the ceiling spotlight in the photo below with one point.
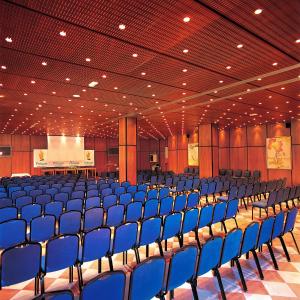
(134, 55)
(228, 67)
(93, 83)
(297, 41)
(221, 81)
(68, 79)
(122, 26)
(186, 19)
(274, 64)
(143, 73)
(76, 96)
(8, 39)
(240, 46)
(63, 33)
(258, 11)
(44, 63)
(3, 67)
(32, 81)
(149, 85)
(88, 59)
(185, 51)
(184, 70)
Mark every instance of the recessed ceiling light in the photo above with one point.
(153, 95)
(143, 73)
(25, 94)
(93, 83)
(274, 64)
(258, 11)
(186, 19)
(184, 70)
(44, 63)
(134, 55)
(228, 67)
(8, 39)
(297, 41)
(63, 33)
(240, 46)
(115, 88)
(68, 79)
(221, 81)
(3, 67)
(283, 88)
(184, 83)
(259, 79)
(122, 26)
(32, 81)
(76, 96)
(1, 96)
(88, 59)
(185, 50)
(149, 85)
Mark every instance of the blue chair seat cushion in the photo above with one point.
(261, 204)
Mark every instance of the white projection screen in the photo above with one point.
(65, 148)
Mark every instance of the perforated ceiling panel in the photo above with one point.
(172, 63)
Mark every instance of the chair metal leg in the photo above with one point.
(272, 256)
(180, 240)
(236, 223)
(36, 285)
(70, 274)
(80, 277)
(210, 230)
(220, 284)
(261, 275)
(241, 275)
(147, 250)
(295, 241)
(225, 229)
(197, 239)
(160, 249)
(284, 248)
(252, 212)
(172, 294)
(42, 284)
(166, 245)
(99, 265)
(194, 289)
(137, 255)
(111, 267)
(123, 258)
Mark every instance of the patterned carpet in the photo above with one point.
(282, 284)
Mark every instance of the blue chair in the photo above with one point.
(209, 259)
(22, 201)
(233, 194)
(219, 214)
(265, 237)
(206, 216)
(204, 191)
(171, 228)
(77, 194)
(152, 194)
(196, 183)
(109, 201)
(119, 191)
(125, 199)
(181, 268)
(248, 244)
(190, 223)
(35, 193)
(69, 222)
(3, 195)
(16, 194)
(265, 204)
(150, 233)
(74, 204)
(58, 186)
(43, 199)
(114, 185)
(231, 212)
(8, 213)
(5, 202)
(179, 203)
(289, 224)
(151, 273)
(93, 218)
(54, 208)
(92, 193)
(61, 253)
(188, 185)
(231, 252)
(20, 263)
(139, 197)
(12, 232)
(63, 197)
(169, 182)
(142, 187)
(52, 191)
(92, 186)
(67, 189)
(56, 295)
(115, 215)
(106, 192)
(132, 189)
(124, 239)
(192, 200)
(163, 193)
(42, 228)
(44, 187)
(79, 188)
(30, 211)
(95, 246)
(150, 208)
(12, 189)
(134, 212)
(166, 206)
(110, 285)
(125, 184)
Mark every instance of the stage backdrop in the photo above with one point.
(193, 154)
(279, 153)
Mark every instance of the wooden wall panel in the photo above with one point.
(215, 161)
(277, 129)
(182, 142)
(100, 145)
(257, 160)
(238, 158)
(224, 137)
(295, 132)
(172, 161)
(296, 164)
(205, 161)
(5, 140)
(182, 160)
(21, 142)
(205, 136)
(5, 166)
(256, 135)
(39, 142)
(238, 137)
(101, 161)
(21, 162)
(224, 160)
(275, 174)
(89, 143)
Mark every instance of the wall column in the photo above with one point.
(127, 149)
(208, 150)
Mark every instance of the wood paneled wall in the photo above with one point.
(245, 148)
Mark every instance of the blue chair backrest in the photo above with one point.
(125, 237)
(188, 185)
(110, 285)
(196, 183)
(61, 252)
(109, 201)
(231, 245)
(92, 202)
(180, 186)
(232, 208)
(106, 192)
(6, 202)
(77, 194)
(193, 200)
(20, 263)
(132, 189)
(80, 188)
(115, 215)
(125, 198)
(24, 200)
(212, 187)
(42, 228)
(151, 273)
(182, 267)
(142, 187)
(190, 220)
(75, 204)
(204, 189)
(92, 187)
(169, 181)
(233, 192)
(171, 226)
(70, 222)
(44, 187)
(12, 232)
(139, 197)
(133, 212)
(151, 208)
(166, 206)
(58, 186)
(43, 199)
(210, 255)
(290, 220)
(278, 225)
(163, 193)
(249, 238)
(206, 215)
(30, 211)
(51, 191)
(35, 193)
(54, 208)
(96, 244)
(241, 191)
(103, 186)
(67, 189)
(179, 203)
(265, 232)
(17, 194)
(93, 218)
(125, 184)
(64, 197)
(8, 213)
(29, 188)
(152, 194)
(150, 231)
(92, 193)
(219, 212)
(119, 191)
(12, 189)
(114, 185)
